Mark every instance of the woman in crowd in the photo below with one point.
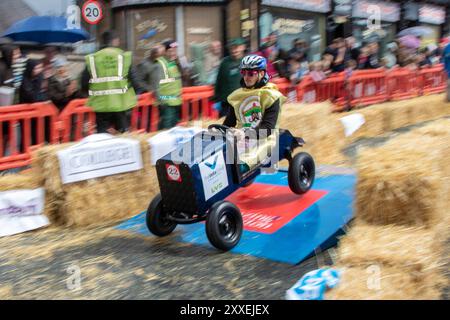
(61, 89)
(33, 90)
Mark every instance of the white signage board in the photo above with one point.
(214, 175)
(22, 210)
(167, 141)
(352, 123)
(99, 155)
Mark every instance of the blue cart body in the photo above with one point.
(185, 175)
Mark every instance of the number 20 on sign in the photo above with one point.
(92, 12)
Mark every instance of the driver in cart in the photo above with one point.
(255, 112)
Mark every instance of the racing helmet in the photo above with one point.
(253, 62)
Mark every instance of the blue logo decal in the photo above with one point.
(212, 166)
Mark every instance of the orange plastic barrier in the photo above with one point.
(197, 104)
(366, 72)
(77, 121)
(145, 116)
(284, 86)
(367, 89)
(433, 80)
(25, 126)
(332, 88)
(402, 84)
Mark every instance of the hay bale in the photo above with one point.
(328, 143)
(410, 262)
(305, 120)
(435, 106)
(375, 119)
(427, 108)
(322, 131)
(390, 283)
(28, 180)
(400, 114)
(102, 200)
(398, 185)
(409, 248)
(407, 112)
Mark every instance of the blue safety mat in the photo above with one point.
(279, 225)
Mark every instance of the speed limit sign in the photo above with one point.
(92, 12)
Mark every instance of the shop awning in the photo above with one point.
(322, 6)
(126, 3)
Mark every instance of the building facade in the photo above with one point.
(142, 23)
(145, 22)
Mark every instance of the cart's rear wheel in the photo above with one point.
(301, 173)
(157, 221)
(224, 225)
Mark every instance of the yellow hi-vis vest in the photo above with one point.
(170, 87)
(250, 104)
(109, 87)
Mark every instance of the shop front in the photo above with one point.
(292, 20)
(432, 17)
(375, 21)
(143, 23)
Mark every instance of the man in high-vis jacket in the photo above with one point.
(170, 87)
(109, 81)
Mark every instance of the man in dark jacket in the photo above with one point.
(228, 76)
(149, 70)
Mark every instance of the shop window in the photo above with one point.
(291, 25)
(202, 25)
(158, 23)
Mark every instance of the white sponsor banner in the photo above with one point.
(352, 123)
(167, 141)
(432, 14)
(99, 155)
(22, 210)
(214, 175)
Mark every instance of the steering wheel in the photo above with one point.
(223, 129)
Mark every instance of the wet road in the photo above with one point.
(104, 263)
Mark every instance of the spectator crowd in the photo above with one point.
(49, 78)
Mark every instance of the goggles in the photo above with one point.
(249, 73)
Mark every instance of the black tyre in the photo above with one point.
(224, 225)
(157, 222)
(301, 173)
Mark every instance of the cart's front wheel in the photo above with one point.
(301, 173)
(224, 225)
(157, 221)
